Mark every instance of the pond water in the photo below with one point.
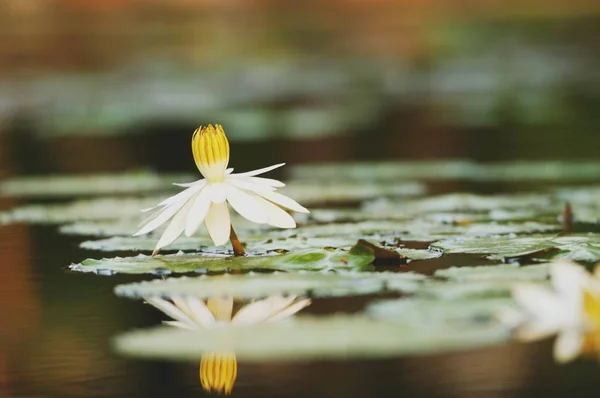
(58, 326)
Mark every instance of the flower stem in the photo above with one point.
(238, 249)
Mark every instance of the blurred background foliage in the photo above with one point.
(362, 79)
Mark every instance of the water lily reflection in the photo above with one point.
(570, 309)
(218, 370)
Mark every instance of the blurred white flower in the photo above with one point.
(570, 309)
(206, 200)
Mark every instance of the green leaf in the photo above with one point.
(306, 338)
(94, 184)
(252, 285)
(437, 313)
(308, 259)
(510, 272)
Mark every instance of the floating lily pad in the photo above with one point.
(340, 192)
(510, 272)
(458, 202)
(309, 259)
(254, 243)
(317, 284)
(90, 210)
(433, 313)
(503, 246)
(452, 170)
(478, 289)
(307, 338)
(96, 184)
(126, 227)
(421, 230)
(573, 247)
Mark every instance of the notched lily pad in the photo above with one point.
(252, 285)
(309, 259)
(307, 338)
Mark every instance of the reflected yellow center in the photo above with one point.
(218, 372)
(211, 151)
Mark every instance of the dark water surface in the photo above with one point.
(56, 325)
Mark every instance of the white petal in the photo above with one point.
(260, 310)
(218, 223)
(180, 325)
(247, 205)
(282, 200)
(162, 216)
(199, 312)
(290, 310)
(542, 304)
(276, 216)
(218, 191)
(193, 188)
(246, 184)
(175, 228)
(198, 212)
(260, 181)
(569, 280)
(169, 309)
(568, 345)
(221, 308)
(259, 171)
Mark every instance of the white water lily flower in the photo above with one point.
(570, 309)
(206, 200)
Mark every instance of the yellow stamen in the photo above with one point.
(211, 151)
(218, 372)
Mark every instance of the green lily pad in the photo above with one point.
(458, 202)
(574, 247)
(253, 243)
(252, 285)
(126, 227)
(308, 259)
(478, 289)
(95, 184)
(421, 230)
(341, 192)
(451, 170)
(435, 313)
(89, 210)
(510, 272)
(307, 338)
(500, 246)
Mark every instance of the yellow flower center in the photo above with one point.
(218, 372)
(211, 151)
(591, 308)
